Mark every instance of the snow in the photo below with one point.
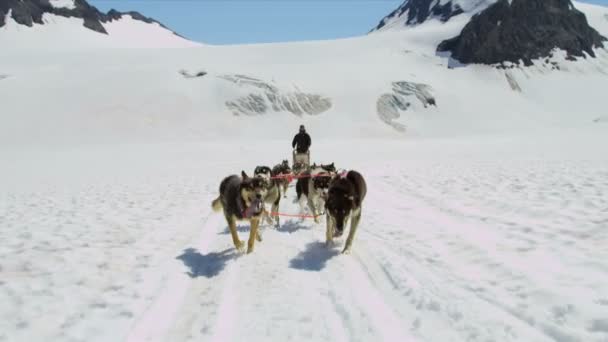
(485, 219)
(487, 239)
(69, 4)
(127, 32)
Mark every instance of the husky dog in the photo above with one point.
(241, 199)
(327, 167)
(314, 186)
(263, 171)
(344, 199)
(273, 191)
(282, 169)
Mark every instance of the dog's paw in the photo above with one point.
(329, 243)
(259, 237)
(240, 246)
(346, 251)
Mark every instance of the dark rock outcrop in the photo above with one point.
(198, 74)
(418, 11)
(523, 30)
(30, 12)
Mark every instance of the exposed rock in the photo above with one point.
(186, 74)
(418, 11)
(30, 12)
(601, 119)
(512, 82)
(264, 97)
(390, 106)
(415, 12)
(523, 30)
(250, 105)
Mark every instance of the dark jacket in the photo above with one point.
(302, 140)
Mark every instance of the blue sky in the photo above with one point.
(254, 21)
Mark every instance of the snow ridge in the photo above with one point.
(416, 12)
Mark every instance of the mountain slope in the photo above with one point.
(70, 23)
(249, 91)
(415, 12)
(523, 30)
(106, 96)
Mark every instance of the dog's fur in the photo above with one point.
(240, 198)
(273, 191)
(282, 169)
(327, 167)
(314, 186)
(344, 201)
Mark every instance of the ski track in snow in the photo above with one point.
(448, 250)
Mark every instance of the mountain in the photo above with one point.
(500, 31)
(51, 22)
(524, 30)
(415, 12)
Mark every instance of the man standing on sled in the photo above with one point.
(301, 155)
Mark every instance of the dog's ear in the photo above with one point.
(244, 175)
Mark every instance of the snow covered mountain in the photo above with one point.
(61, 24)
(523, 30)
(494, 32)
(415, 12)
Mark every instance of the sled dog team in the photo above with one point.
(339, 195)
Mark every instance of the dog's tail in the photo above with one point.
(217, 205)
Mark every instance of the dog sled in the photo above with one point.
(301, 161)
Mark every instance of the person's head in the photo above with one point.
(302, 129)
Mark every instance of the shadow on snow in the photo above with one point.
(314, 257)
(206, 265)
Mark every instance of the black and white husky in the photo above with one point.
(273, 192)
(344, 201)
(314, 186)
